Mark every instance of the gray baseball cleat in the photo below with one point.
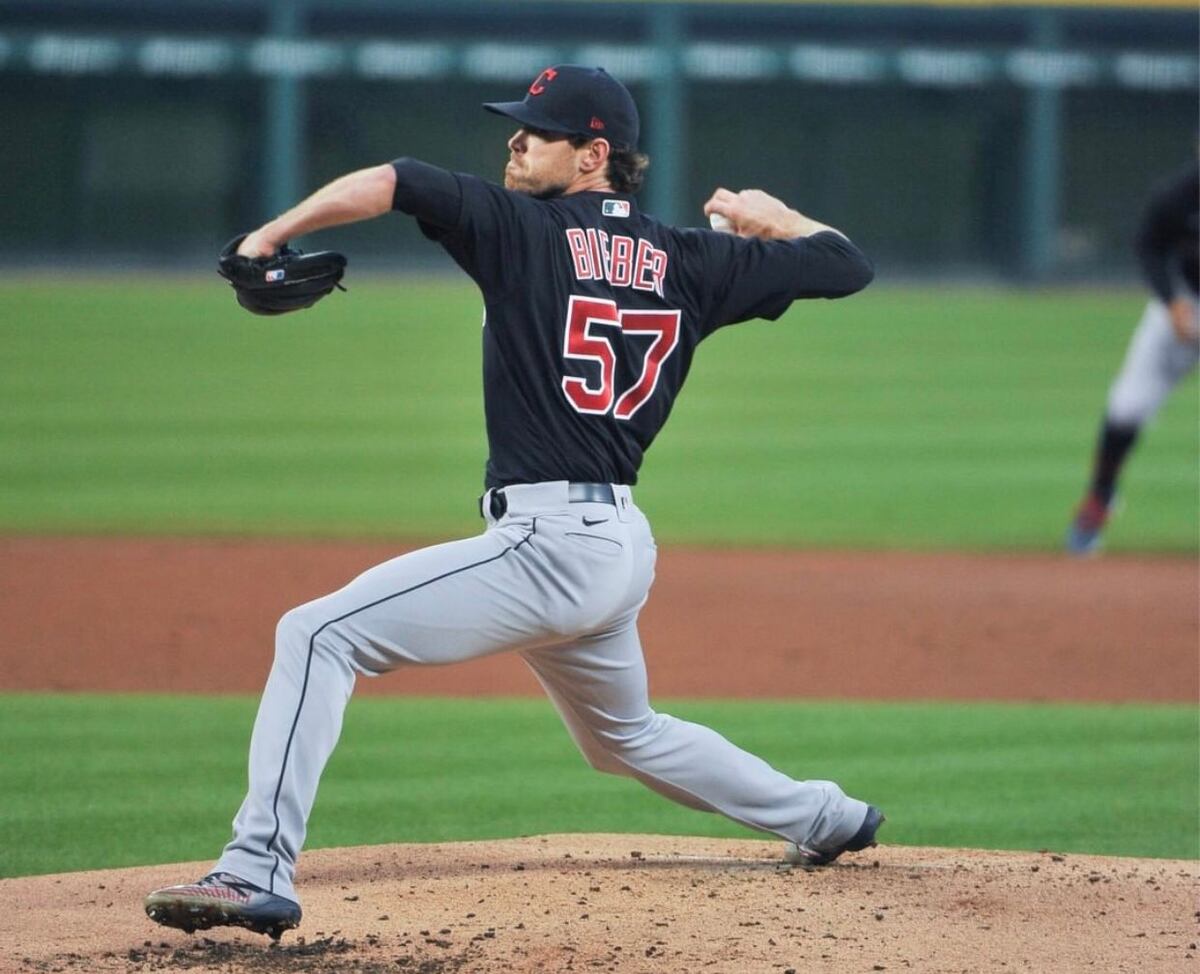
(222, 900)
(864, 838)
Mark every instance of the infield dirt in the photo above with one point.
(109, 614)
(174, 615)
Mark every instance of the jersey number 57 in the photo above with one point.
(582, 340)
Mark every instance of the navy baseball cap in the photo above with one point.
(575, 100)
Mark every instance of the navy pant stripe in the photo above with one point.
(308, 668)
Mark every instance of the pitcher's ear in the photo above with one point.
(598, 151)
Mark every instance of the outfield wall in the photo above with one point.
(986, 139)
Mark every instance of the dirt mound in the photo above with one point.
(629, 903)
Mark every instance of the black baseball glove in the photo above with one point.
(286, 281)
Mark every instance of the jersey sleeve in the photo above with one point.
(484, 227)
(753, 278)
(430, 194)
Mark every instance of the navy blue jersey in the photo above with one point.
(1168, 240)
(593, 311)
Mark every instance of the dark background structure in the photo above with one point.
(952, 140)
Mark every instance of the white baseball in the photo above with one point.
(720, 223)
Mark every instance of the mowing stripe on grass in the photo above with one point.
(102, 781)
(943, 417)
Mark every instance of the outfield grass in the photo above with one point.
(900, 418)
(106, 781)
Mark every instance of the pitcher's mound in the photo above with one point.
(634, 903)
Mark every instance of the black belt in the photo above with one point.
(576, 494)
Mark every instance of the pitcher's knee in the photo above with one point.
(296, 633)
(599, 759)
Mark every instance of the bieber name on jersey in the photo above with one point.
(620, 260)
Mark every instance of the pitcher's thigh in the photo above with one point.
(598, 685)
(442, 604)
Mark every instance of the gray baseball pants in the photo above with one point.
(561, 583)
(1155, 362)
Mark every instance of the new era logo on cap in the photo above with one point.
(615, 208)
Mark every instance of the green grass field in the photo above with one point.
(96, 781)
(900, 418)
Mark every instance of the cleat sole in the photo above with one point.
(190, 914)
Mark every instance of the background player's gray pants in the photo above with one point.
(1154, 364)
(566, 595)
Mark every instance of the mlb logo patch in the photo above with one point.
(615, 208)
(275, 275)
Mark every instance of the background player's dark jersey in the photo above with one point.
(1168, 241)
(593, 311)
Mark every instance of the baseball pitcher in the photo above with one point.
(593, 311)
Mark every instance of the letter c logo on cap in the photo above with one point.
(543, 79)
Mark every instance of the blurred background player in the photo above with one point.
(1164, 348)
